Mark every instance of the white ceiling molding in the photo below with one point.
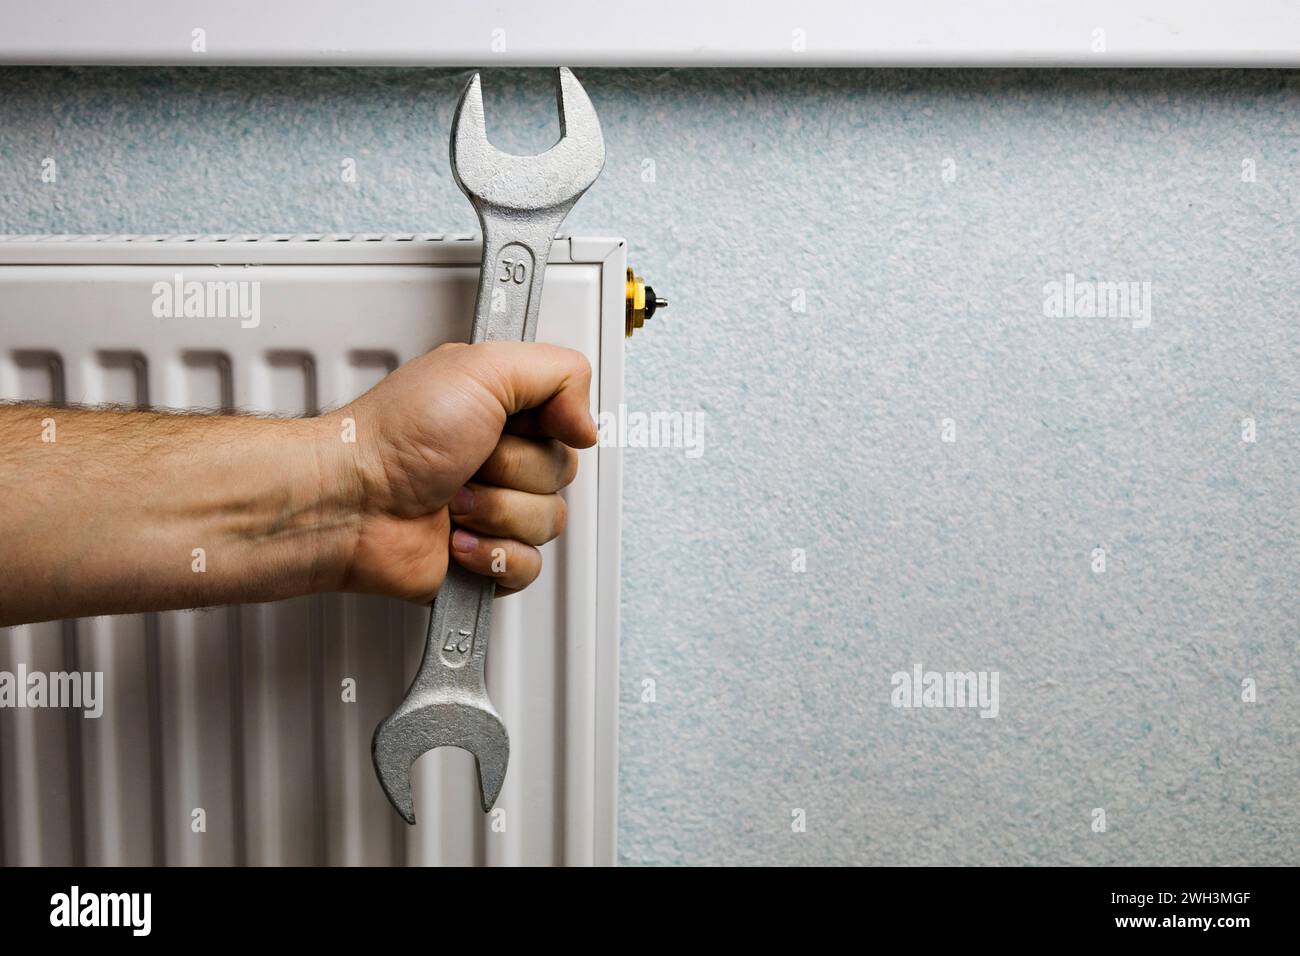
(1076, 33)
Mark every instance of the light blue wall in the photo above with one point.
(924, 300)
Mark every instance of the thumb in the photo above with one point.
(531, 375)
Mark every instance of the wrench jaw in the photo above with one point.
(569, 90)
(579, 124)
(469, 143)
(505, 183)
(408, 734)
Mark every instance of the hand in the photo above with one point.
(463, 451)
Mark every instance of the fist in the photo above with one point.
(460, 455)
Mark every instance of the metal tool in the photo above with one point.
(520, 201)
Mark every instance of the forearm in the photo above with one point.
(110, 512)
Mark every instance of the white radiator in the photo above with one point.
(234, 718)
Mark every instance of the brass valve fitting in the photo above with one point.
(642, 303)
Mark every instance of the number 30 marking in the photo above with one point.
(514, 270)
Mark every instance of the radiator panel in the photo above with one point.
(235, 715)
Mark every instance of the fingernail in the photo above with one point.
(463, 502)
(463, 541)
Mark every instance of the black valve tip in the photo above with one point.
(652, 302)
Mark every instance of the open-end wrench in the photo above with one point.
(520, 201)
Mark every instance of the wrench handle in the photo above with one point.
(455, 645)
(509, 299)
(510, 284)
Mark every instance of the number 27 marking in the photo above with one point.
(459, 647)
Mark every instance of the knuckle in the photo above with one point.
(447, 347)
(491, 509)
(529, 565)
(567, 469)
(559, 517)
(510, 461)
(583, 364)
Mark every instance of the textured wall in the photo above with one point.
(924, 302)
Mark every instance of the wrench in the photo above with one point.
(520, 201)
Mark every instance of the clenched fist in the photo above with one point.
(475, 438)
